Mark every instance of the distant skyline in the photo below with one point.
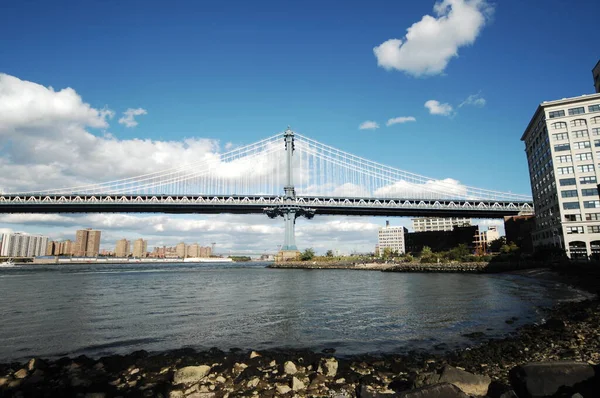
(94, 91)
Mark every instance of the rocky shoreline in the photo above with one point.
(473, 267)
(493, 368)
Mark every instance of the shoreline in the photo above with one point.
(571, 332)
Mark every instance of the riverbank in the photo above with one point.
(570, 332)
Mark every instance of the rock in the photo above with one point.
(36, 377)
(36, 363)
(20, 374)
(318, 381)
(253, 382)
(469, 383)
(254, 354)
(202, 395)
(283, 388)
(220, 379)
(555, 324)
(540, 379)
(190, 374)
(3, 381)
(239, 367)
(134, 371)
(443, 390)
(95, 395)
(328, 367)
(297, 385)
(289, 368)
(176, 394)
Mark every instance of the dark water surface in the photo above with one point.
(102, 309)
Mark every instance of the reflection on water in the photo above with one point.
(104, 309)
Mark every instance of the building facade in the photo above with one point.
(596, 74)
(423, 224)
(442, 240)
(519, 230)
(140, 247)
(562, 143)
(181, 250)
(23, 245)
(122, 248)
(392, 238)
(485, 238)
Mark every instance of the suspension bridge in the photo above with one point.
(317, 179)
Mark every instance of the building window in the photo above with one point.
(570, 205)
(565, 170)
(574, 230)
(589, 192)
(584, 156)
(577, 111)
(587, 180)
(594, 108)
(569, 194)
(567, 181)
(585, 168)
(580, 145)
(580, 134)
(564, 147)
(564, 159)
(572, 217)
(554, 114)
(592, 217)
(595, 120)
(591, 204)
(593, 229)
(578, 122)
(562, 136)
(559, 125)
(596, 131)
(596, 142)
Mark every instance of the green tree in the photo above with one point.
(329, 253)
(495, 246)
(308, 254)
(426, 251)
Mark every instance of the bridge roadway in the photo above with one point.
(257, 204)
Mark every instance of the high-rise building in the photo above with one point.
(122, 248)
(391, 238)
(22, 245)
(423, 224)
(181, 250)
(140, 247)
(87, 243)
(562, 143)
(205, 251)
(596, 74)
(193, 250)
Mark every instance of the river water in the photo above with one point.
(102, 309)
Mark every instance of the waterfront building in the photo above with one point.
(140, 246)
(193, 250)
(205, 251)
(87, 243)
(122, 248)
(519, 229)
(180, 249)
(51, 248)
(596, 74)
(485, 238)
(23, 245)
(422, 224)
(442, 240)
(562, 143)
(391, 238)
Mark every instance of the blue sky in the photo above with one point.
(240, 71)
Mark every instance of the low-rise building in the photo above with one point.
(519, 230)
(422, 224)
(391, 238)
(439, 241)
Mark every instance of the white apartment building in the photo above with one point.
(562, 143)
(22, 245)
(423, 224)
(486, 237)
(392, 238)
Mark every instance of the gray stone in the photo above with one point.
(290, 368)
(297, 385)
(176, 394)
(254, 354)
(469, 383)
(190, 374)
(328, 367)
(283, 389)
(541, 379)
(443, 390)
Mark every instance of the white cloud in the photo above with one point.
(430, 43)
(401, 119)
(368, 125)
(436, 108)
(129, 119)
(475, 100)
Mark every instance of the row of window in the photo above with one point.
(584, 168)
(576, 134)
(578, 157)
(572, 193)
(582, 180)
(576, 145)
(574, 111)
(592, 229)
(587, 204)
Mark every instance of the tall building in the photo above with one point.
(140, 246)
(122, 248)
(87, 243)
(486, 237)
(22, 245)
(519, 230)
(392, 238)
(596, 74)
(193, 250)
(181, 250)
(205, 251)
(562, 143)
(422, 224)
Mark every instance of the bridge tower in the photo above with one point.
(289, 210)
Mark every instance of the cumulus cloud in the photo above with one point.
(401, 119)
(368, 125)
(474, 100)
(129, 116)
(437, 108)
(430, 43)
